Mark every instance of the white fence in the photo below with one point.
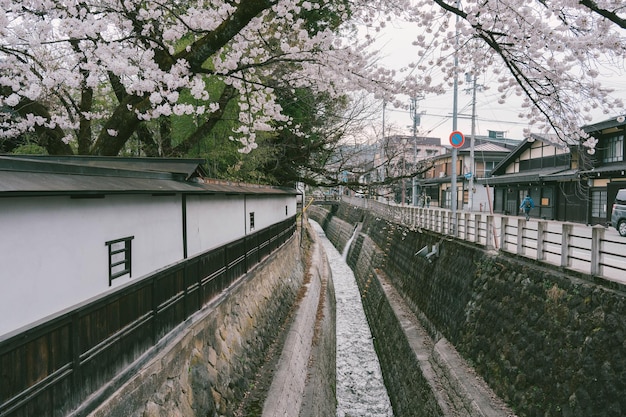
(593, 250)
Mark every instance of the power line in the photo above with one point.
(461, 116)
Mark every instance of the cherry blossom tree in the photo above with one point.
(86, 77)
(549, 52)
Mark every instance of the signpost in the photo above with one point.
(457, 139)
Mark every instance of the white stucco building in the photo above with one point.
(75, 228)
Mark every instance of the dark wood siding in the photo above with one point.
(572, 202)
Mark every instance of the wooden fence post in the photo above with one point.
(477, 219)
(77, 374)
(489, 232)
(430, 219)
(453, 224)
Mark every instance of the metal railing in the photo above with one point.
(49, 368)
(593, 250)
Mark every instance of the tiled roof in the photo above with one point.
(490, 147)
(95, 176)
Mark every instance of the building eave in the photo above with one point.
(88, 177)
(530, 177)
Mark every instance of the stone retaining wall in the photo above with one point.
(416, 371)
(408, 383)
(211, 367)
(550, 342)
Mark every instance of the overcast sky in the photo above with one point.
(436, 120)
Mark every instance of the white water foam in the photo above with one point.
(360, 388)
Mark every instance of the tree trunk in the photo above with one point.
(49, 138)
(203, 130)
(123, 122)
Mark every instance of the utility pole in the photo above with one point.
(472, 167)
(384, 107)
(416, 121)
(453, 193)
(384, 158)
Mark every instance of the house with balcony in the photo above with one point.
(474, 160)
(604, 172)
(565, 180)
(545, 168)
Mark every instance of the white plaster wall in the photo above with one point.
(213, 220)
(269, 210)
(53, 253)
(481, 196)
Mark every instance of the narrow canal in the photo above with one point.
(360, 388)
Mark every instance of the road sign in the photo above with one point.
(457, 139)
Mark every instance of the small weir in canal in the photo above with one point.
(360, 388)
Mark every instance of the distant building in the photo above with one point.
(566, 182)
(400, 155)
(436, 183)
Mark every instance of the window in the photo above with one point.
(286, 210)
(496, 134)
(598, 203)
(119, 257)
(614, 150)
(489, 166)
(252, 221)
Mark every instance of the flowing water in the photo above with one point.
(360, 388)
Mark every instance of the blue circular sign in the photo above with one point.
(457, 139)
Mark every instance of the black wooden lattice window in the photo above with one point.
(252, 221)
(614, 151)
(119, 257)
(598, 203)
